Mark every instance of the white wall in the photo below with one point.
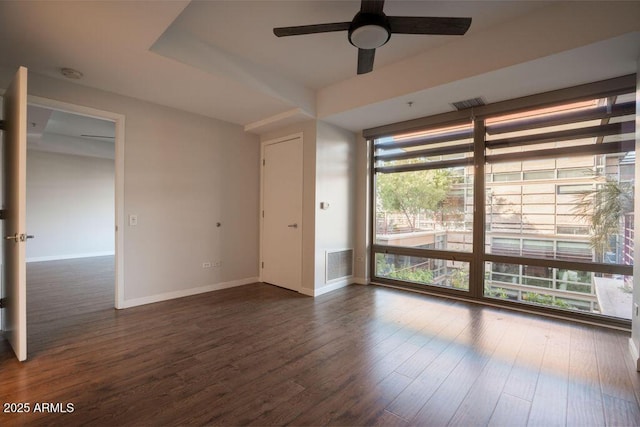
(335, 184)
(70, 206)
(182, 174)
(329, 175)
(362, 245)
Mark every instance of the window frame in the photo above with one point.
(477, 258)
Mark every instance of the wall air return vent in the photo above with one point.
(468, 103)
(339, 264)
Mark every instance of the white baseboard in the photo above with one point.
(187, 292)
(360, 281)
(328, 288)
(307, 292)
(634, 353)
(69, 256)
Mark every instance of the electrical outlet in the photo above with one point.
(217, 264)
(206, 265)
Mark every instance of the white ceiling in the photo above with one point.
(67, 133)
(221, 59)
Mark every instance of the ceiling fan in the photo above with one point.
(371, 28)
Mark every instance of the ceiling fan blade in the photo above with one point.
(365, 60)
(311, 29)
(429, 25)
(372, 6)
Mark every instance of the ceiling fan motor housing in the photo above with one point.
(369, 30)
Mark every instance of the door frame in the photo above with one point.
(119, 120)
(263, 145)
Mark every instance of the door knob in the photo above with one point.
(292, 225)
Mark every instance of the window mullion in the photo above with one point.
(476, 280)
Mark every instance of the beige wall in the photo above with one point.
(182, 174)
(70, 206)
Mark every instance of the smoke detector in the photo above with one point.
(70, 73)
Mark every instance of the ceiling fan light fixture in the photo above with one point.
(369, 30)
(369, 36)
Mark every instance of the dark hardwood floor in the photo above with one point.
(261, 355)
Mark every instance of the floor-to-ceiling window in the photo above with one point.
(522, 202)
(423, 216)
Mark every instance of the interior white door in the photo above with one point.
(14, 156)
(282, 214)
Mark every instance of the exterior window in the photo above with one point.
(424, 207)
(570, 229)
(575, 173)
(506, 176)
(593, 204)
(423, 271)
(574, 189)
(571, 251)
(537, 248)
(550, 174)
(554, 206)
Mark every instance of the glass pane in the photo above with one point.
(539, 175)
(576, 290)
(426, 209)
(424, 147)
(575, 173)
(531, 130)
(423, 271)
(506, 176)
(585, 216)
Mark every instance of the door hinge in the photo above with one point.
(262, 214)
(264, 162)
(2, 123)
(3, 214)
(3, 302)
(262, 264)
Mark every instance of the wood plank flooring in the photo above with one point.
(261, 355)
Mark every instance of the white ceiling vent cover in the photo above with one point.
(339, 264)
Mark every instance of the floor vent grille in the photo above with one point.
(339, 264)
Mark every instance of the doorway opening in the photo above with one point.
(74, 206)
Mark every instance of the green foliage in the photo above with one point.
(404, 272)
(545, 300)
(417, 275)
(495, 292)
(460, 279)
(604, 209)
(413, 192)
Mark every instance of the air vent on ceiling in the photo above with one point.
(468, 103)
(339, 264)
